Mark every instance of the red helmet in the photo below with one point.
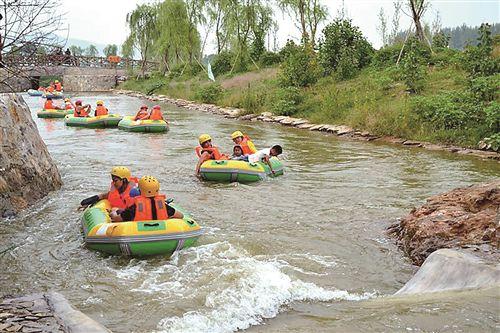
(78, 102)
(156, 107)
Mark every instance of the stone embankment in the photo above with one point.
(47, 313)
(462, 218)
(338, 130)
(27, 171)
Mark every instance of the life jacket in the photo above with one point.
(68, 106)
(41, 89)
(80, 111)
(141, 115)
(120, 200)
(101, 111)
(156, 114)
(48, 105)
(247, 146)
(143, 208)
(50, 89)
(214, 152)
(58, 86)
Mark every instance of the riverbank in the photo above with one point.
(340, 131)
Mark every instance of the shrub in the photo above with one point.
(210, 93)
(269, 59)
(300, 68)
(222, 63)
(484, 88)
(413, 69)
(478, 60)
(387, 56)
(493, 141)
(492, 113)
(287, 101)
(444, 57)
(441, 40)
(343, 48)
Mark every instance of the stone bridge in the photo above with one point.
(77, 73)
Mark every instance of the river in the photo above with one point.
(305, 252)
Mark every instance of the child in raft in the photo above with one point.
(238, 154)
(264, 155)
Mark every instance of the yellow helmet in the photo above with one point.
(56, 81)
(66, 100)
(236, 134)
(204, 138)
(121, 171)
(149, 186)
(100, 103)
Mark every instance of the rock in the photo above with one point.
(280, 118)
(341, 130)
(412, 143)
(28, 172)
(299, 122)
(305, 126)
(316, 127)
(287, 121)
(248, 116)
(446, 270)
(266, 114)
(464, 216)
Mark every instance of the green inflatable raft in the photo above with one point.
(53, 113)
(239, 171)
(137, 238)
(148, 126)
(110, 120)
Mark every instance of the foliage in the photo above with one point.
(492, 113)
(478, 60)
(76, 50)
(387, 55)
(110, 50)
(210, 93)
(269, 59)
(412, 68)
(300, 68)
(484, 88)
(343, 49)
(222, 63)
(91, 51)
(493, 141)
(440, 40)
(287, 101)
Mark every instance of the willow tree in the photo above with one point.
(142, 23)
(91, 51)
(217, 13)
(308, 14)
(110, 50)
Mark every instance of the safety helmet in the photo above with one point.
(236, 134)
(156, 107)
(204, 138)
(66, 100)
(149, 186)
(78, 102)
(121, 171)
(99, 102)
(56, 81)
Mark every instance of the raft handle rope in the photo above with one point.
(190, 222)
(151, 224)
(220, 162)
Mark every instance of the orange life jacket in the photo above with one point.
(100, 111)
(214, 152)
(156, 114)
(41, 89)
(68, 106)
(247, 150)
(50, 89)
(80, 111)
(143, 208)
(48, 105)
(120, 200)
(58, 86)
(141, 115)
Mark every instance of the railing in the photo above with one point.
(50, 60)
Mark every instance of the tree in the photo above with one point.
(382, 28)
(76, 50)
(417, 10)
(91, 51)
(27, 26)
(308, 15)
(110, 50)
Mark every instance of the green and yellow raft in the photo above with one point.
(149, 126)
(33, 92)
(109, 120)
(53, 113)
(54, 94)
(137, 238)
(239, 171)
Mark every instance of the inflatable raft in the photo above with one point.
(150, 126)
(54, 95)
(110, 120)
(137, 238)
(53, 113)
(239, 171)
(33, 92)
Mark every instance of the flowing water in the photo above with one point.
(305, 252)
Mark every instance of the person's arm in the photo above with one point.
(204, 157)
(268, 162)
(127, 214)
(174, 213)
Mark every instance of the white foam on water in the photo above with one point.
(241, 291)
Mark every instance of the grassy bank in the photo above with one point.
(376, 100)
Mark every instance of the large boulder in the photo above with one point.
(27, 171)
(460, 218)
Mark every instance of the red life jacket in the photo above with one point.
(214, 152)
(120, 200)
(247, 150)
(68, 106)
(156, 114)
(80, 111)
(58, 86)
(100, 111)
(141, 115)
(143, 208)
(50, 89)
(48, 105)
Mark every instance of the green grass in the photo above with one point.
(375, 100)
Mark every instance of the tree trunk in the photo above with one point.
(416, 11)
(303, 23)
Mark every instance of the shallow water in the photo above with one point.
(298, 253)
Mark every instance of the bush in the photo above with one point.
(492, 113)
(269, 59)
(300, 68)
(493, 141)
(478, 60)
(222, 63)
(445, 57)
(484, 88)
(413, 70)
(387, 56)
(343, 49)
(287, 101)
(210, 93)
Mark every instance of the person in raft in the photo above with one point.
(264, 155)
(81, 110)
(49, 105)
(150, 205)
(67, 104)
(143, 113)
(100, 109)
(121, 191)
(238, 154)
(244, 142)
(58, 85)
(156, 113)
(206, 151)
